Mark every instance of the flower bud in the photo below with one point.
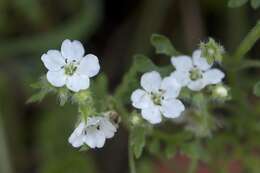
(212, 51)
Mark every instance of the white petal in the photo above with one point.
(196, 85)
(183, 78)
(140, 99)
(77, 82)
(56, 78)
(172, 108)
(151, 81)
(199, 61)
(76, 138)
(171, 87)
(90, 137)
(213, 76)
(94, 138)
(107, 128)
(152, 114)
(77, 142)
(72, 50)
(182, 63)
(100, 139)
(89, 66)
(53, 60)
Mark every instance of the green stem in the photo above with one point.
(248, 42)
(249, 64)
(131, 159)
(5, 165)
(193, 165)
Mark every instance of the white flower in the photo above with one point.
(195, 72)
(93, 133)
(70, 67)
(157, 98)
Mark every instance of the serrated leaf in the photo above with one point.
(255, 4)
(236, 3)
(137, 138)
(163, 45)
(257, 89)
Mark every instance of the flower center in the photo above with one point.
(195, 74)
(157, 97)
(70, 69)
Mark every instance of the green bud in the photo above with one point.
(135, 119)
(212, 51)
(220, 92)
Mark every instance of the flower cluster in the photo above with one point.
(160, 96)
(69, 67)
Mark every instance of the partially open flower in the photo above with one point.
(70, 67)
(158, 97)
(195, 72)
(93, 133)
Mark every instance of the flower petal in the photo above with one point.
(77, 82)
(171, 87)
(77, 133)
(140, 99)
(53, 60)
(213, 76)
(182, 63)
(77, 142)
(107, 128)
(89, 66)
(172, 108)
(94, 138)
(183, 78)
(151, 81)
(56, 78)
(199, 61)
(152, 114)
(72, 50)
(196, 85)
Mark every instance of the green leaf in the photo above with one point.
(38, 97)
(141, 64)
(236, 3)
(255, 4)
(154, 146)
(163, 45)
(170, 150)
(257, 89)
(137, 140)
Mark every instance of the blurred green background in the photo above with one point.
(33, 137)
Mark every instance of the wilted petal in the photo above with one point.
(53, 60)
(152, 114)
(77, 82)
(182, 63)
(56, 78)
(151, 81)
(171, 87)
(89, 66)
(172, 108)
(72, 50)
(140, 99)
(213, 76)
(199, 61)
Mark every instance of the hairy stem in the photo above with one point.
(131, 159)
(193, 165)
(248, 42)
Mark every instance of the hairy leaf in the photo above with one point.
(163, 45)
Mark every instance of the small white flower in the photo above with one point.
(157, 98)
(93, 133)
(195, 72)
(70, 67)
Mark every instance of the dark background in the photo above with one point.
(33, 137)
